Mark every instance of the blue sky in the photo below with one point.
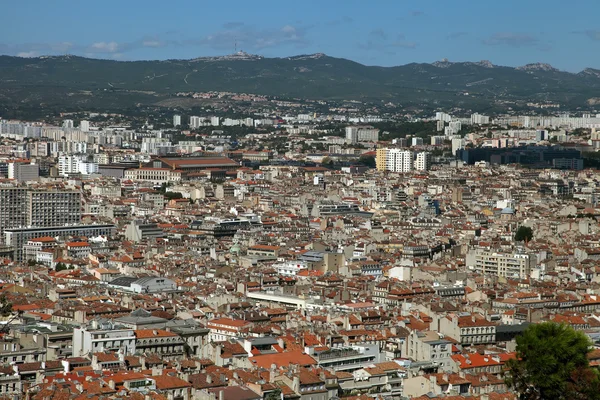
(563, 33)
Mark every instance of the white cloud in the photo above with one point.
(105, 47)
(27, 54)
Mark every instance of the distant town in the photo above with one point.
(244, 247)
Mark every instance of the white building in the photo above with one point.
(84, 126)
(176, 120)
(290, 268)
(457, 144)
(352, 134)
(76, 164)
(195, 122)
(68, 123)
(423, 161)
(214, 121)
(478, 119)
(368, 135)
(416, 141)
(87, 341)
(399, 160)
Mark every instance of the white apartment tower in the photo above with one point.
(399, 160)
(423, 161)
(176, 121)
(84, 125)
(194, 122)
(352, 134)
(478, 119)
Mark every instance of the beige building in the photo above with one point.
(429, 346)
(510, 265)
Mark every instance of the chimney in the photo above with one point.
(111, 384)
(208, 378)
(296, 384)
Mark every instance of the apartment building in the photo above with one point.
(423, 161)
(429, 347)
(13, 208)
(53, 207)
(110, 338)
(21, 207)
(399, 160)
(517, 264)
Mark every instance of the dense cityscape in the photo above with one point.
(291, 254)
(315, 200)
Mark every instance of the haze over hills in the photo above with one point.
(70, 81)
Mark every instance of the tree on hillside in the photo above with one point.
(552, 363)
(524, 234)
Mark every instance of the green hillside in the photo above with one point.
(70, 81)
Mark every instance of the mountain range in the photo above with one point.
(77, 82)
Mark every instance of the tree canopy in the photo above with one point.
(552, 363)
(524, 234)
(367, 160)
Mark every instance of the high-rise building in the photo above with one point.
(13, 208)
(214, 121)
(457, 144)
(417, 141)
(176, 120)
(68, 124)
(53, 207)
(368, 134)
(437, 140)
(381, 156)
(399, 160)
(84, 126)
(21, 207)
(23, 172)
(352, 134)
(478, 119)
(423, 161)
(195, 122)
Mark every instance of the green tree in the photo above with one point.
(551, 363)
(5, 306)
(369, 161)
(327, 162)
(173, 195)
(524, 234)
(60, 267)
